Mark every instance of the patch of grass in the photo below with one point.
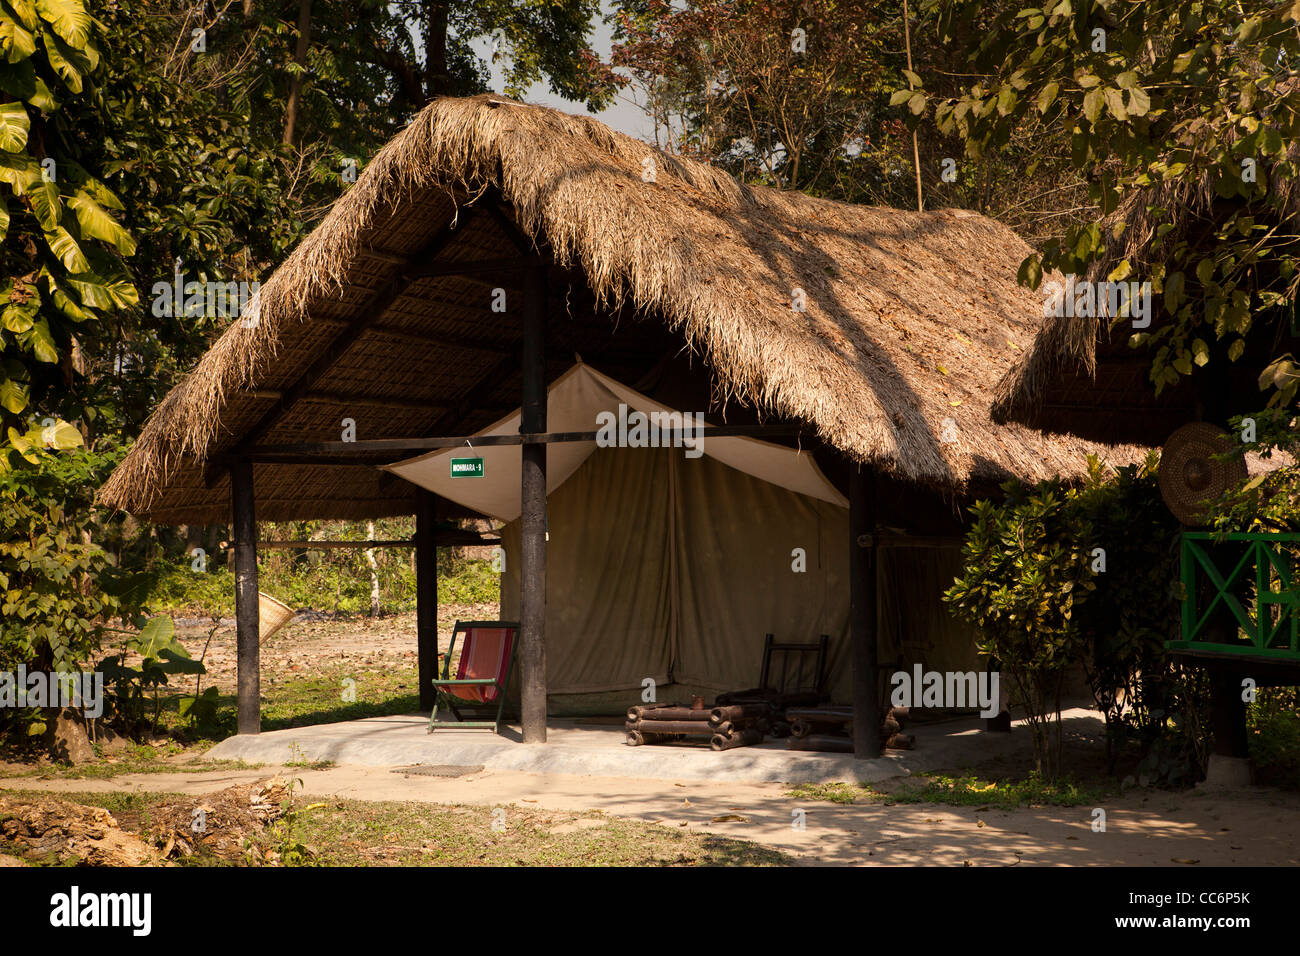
(835, 792)
(359, 833)
(390, 833)
(966, 789)
(136, 758)
(319, 698)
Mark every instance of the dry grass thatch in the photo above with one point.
(910, 317)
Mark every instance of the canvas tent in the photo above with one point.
(663, 570)
(868, 338)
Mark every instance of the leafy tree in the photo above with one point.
(61, 261)
(1182, 117)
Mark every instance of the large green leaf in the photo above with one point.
(62, 435)
(16, 43)
(65, 247)
(64, 302)
(68, 18)
(14, 390)
(98, 292)
(43, 195)
(14, 127)
(96, 223)
(41, 343)
(4, 217)
(154, 636)
(26, 12)
(20, 316)
(17, 170)
(71, 64)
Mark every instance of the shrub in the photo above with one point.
(60, 590)
(1056, 576)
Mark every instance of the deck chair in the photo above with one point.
(487, 658)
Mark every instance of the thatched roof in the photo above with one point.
(910, 317)
(1080, 377)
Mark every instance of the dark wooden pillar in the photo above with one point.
(426, 594)
(247, 616)
(532, 557)
(1228, 710)
(862, 614)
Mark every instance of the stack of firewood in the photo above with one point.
(830, 729)
(739, 725)
(725, 727)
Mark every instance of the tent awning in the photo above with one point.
(573, 403)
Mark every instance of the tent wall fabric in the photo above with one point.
(674, 569)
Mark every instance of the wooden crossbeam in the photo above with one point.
(436, 338)
(667, 438)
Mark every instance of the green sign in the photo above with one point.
(467, 467)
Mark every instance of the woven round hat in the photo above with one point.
(271, 615)
(1192, 471)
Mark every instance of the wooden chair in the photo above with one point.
(811, 655)
(804, 685)
(487, 658)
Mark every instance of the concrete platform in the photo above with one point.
(586, 749)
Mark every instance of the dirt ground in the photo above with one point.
(316, 640)
(1143, 828)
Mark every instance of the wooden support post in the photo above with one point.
(247, 623)
(1228, 710)
(862, 615)
(532, 558)
(426, 595)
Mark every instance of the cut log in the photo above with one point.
(802, 727)
(829, 715)
(636, 738)
(745, 738)
(824, 743)
(736, 712)
(698, 728)
(901, 742)
(668, 713)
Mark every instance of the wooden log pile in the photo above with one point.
(829, 729)
(723, 728)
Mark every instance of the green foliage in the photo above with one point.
(53, 613)
(134, 689)
(1186, 111)
(1025, 573)
(970, 790)
(61, 269)
(1059, 576)
(1273, 721)
(335, 580)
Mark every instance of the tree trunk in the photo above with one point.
(374, 571)
(437, 80)
(295, 82)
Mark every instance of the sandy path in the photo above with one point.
(1147, 828)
